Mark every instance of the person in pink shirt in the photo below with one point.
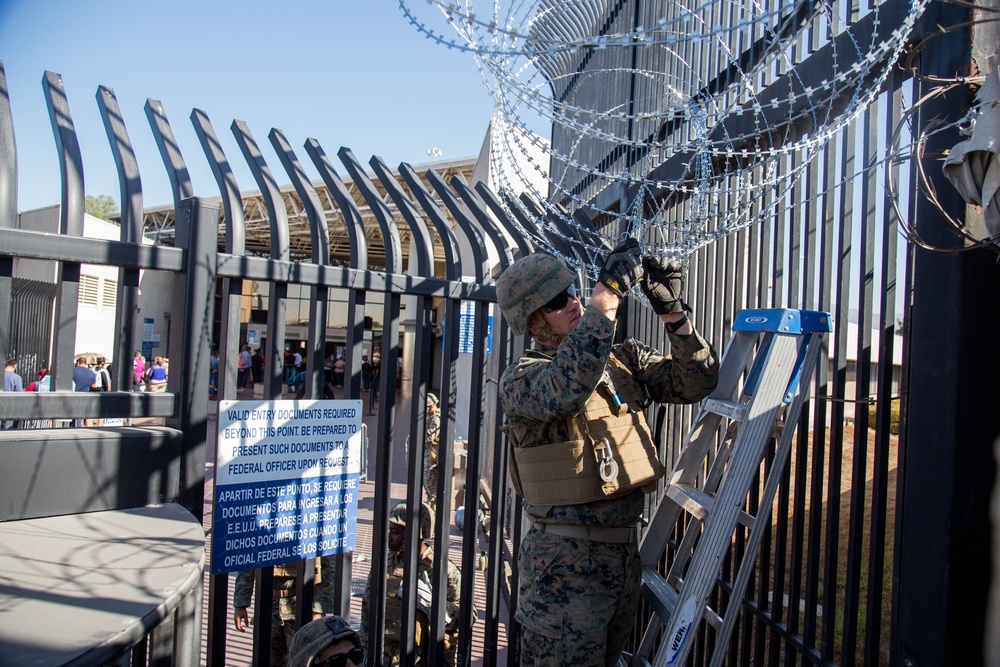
(138, 366)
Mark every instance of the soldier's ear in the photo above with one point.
(535, 321)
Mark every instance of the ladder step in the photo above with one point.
(658, 593)
(730, 409)
(699, 503)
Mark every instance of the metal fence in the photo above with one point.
(204, 271)
(823, 592)
(858, 235)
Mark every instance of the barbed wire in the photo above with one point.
(697, 102)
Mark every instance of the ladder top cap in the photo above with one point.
(782, 320)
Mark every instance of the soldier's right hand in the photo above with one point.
(623, 267)
(241, 618)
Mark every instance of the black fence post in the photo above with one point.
(190, 348)
(947, 467)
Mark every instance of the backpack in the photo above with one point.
(103, 380)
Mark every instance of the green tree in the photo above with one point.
(101, 206)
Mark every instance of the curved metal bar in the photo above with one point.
(320, 235)
(278, 297)
(8, 160)
(70, 160)
(452, 255)
(319, 303)
(269, 190)
(8, 205)
(537, 211)
(232, 203)
(356, 303)
(226, 378)
(71, 214)
(131, 231)
(180, 180)
(478, 208)
(542, 231)
(421, 235)
(524, 244)
(465, 223)
(584, 227)
(390, 235)
(276, 319)
(556, 224)
(352, 216)
(125, 162)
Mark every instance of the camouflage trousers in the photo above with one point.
(430, 483)
(577, 600)
(391, 655)
(282, 631)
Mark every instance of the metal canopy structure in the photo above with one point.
(159, 223)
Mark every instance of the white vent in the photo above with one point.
(88, 290)
(109, 297)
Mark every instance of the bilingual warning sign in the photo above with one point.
(286, 481)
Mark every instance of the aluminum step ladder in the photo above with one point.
(776, 351)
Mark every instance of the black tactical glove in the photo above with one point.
(663, 285)
(623, 267)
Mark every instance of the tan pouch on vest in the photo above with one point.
(570, 472)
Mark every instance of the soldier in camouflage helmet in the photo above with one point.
(394, 593)
(283, 625)
(582, 453)
(326, 642)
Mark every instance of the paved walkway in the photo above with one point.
(238, 645)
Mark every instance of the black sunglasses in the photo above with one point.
(356, 655)
(559, 301)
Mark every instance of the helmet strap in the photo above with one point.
(541, 331)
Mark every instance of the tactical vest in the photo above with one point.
(610, 451)
(393, 603)
(292, 570)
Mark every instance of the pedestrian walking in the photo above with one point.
(11, 382)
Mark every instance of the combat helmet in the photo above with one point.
(398, 515)
(316, 636)
(528, 284)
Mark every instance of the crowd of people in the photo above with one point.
(90, 373)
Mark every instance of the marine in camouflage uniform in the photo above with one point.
(432, 434)
(283, 624)
(579, 569)
(394, 578)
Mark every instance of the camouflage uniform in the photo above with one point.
(283, 625)
(394, 570)
(577, 598)
(432, 434)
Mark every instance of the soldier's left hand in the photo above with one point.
(664, 284)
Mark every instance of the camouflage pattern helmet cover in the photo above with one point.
(398, 515)
(528, 284)
(316, 636)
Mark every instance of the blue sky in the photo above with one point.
(346, 72)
